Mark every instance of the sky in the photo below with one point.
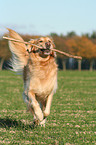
(42, 17)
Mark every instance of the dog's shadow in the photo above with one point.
(8, 122)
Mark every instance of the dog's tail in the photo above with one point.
(19, 52)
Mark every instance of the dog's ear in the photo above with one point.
(52, 41)
(33, 41)
(53, 44)
(30, 47)
(17, 48)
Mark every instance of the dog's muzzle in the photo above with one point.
(47, 44)
(46, 50)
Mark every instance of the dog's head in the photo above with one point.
(46, 44)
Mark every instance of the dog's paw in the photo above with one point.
(37, 123)
(42, 123)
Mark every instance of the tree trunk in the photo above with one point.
(64, 64)
(91, 65)
(79, 64)
(1, 63)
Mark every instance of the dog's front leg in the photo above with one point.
(35, 105)
(48, 105)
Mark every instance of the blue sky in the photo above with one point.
(41, 17)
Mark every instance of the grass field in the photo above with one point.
(73, 112)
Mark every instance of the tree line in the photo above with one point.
(84, 46)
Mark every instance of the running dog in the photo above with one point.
(39, 73)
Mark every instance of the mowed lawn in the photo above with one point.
(73, 112)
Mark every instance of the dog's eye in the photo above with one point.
(40, 41)
(49, 41)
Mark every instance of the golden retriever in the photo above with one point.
(39, 74)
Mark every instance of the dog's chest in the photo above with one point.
(43, 79)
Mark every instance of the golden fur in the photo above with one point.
(39, 74)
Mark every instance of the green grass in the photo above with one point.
(73, 112)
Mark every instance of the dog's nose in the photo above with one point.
(47, 44)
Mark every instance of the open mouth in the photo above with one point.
(44, 51)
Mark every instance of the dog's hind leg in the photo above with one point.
(48, 105)
(35, 105)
